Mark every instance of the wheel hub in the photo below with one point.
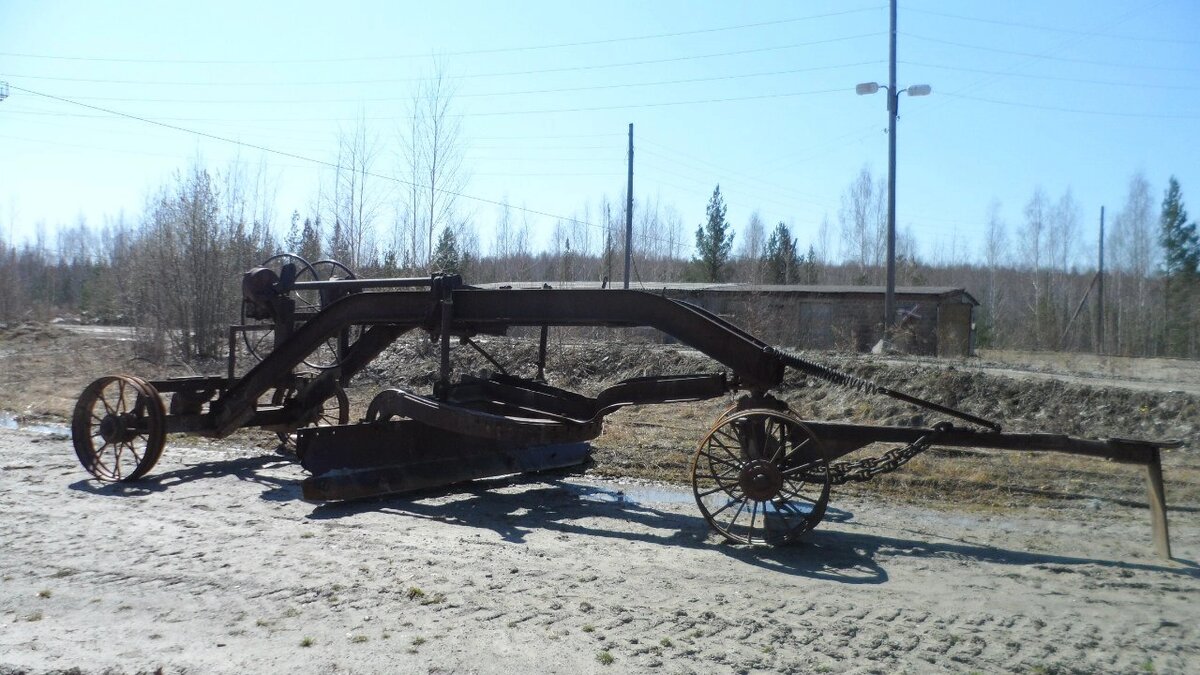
(760, 480)
(117, 428)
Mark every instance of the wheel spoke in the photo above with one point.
(741, 507)
(726, 449)
(121, 407)
(750, 530)
(718, 460)
(782, 508)
(802, 467)
(719, 488)
(108, 409)
(795, 492)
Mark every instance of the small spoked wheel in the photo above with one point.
(119, 428)
(760, 477)
(334, 411)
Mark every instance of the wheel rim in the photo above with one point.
(760, 477)
(259, 343)
(118, 428)
(335, 410)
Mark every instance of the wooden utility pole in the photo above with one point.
(1100, 291)
(889, 294)
(629, 210)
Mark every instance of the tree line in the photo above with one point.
(173, 271)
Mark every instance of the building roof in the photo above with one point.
(808, 290)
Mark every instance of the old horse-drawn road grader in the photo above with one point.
(760, 475)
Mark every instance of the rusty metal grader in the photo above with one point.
(759, 475)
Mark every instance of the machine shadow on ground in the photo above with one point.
(515, 506)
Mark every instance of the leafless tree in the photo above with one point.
(441, 151)
(863, 219)
(995, 256)
(1132, 252)
(751, 253)
(357, 197)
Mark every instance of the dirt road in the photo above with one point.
(215, 564)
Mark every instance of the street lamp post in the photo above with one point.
(893, 105)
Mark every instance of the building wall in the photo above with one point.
(930, 325)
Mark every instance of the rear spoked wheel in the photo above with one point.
(334, 411)
(760, 477)
(119, 428)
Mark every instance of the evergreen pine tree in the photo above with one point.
(714, 240)
(1181, 270)
(446, 256)
(783, 260)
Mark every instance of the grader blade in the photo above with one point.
(371, 460)
(359, 461)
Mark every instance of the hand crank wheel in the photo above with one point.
(760, 477)
(330, 354)
(119, 428)
(261, 341)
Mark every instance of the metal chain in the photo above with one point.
(869, 467)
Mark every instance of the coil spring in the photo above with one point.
(826, 373)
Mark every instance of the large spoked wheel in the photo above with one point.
(760, 477)
(334, 411)
(119, 428)
(260, 339)
(331, 352)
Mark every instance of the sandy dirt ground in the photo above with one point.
(976, 562)
(215, 564)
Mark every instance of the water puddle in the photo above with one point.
(10, 421)
(632, 493)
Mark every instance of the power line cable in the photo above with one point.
(1047, 57)
(311, 160)
(497, 113)
(1057, 29)
(1053, 78)
(527, 92)
(1079, 111)
(470, 52)
(469, 76)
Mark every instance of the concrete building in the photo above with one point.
(934, 321)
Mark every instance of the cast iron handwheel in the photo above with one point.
(334, 411)
(259, 343)
(119, 428)
(760, 477)
(326, 355)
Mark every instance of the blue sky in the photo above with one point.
(758, 97)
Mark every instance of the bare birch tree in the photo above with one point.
(863, 219)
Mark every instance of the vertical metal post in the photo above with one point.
(1158, 505)
(1100, 292)
(232, 352)
(444, 366)
(889, 296)
(629, 210)
(541, 362)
